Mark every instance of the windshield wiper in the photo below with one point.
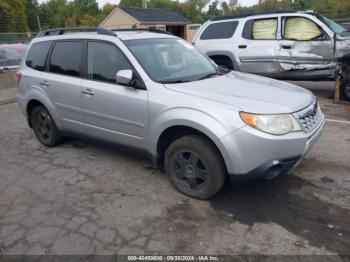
(174, 81)
(209, 75)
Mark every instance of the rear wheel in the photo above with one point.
(345, 89)
(44, 127)
(195, 167)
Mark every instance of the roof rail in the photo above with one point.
(278, 11)
(152, 30)
(61, 31)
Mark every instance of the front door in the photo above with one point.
(304, 45)
(257, 49)
(113, 112)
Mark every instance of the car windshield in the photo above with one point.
(172, 60)
(335, 27)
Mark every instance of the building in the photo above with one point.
(132, 17)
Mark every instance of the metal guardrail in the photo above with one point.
(6, 68)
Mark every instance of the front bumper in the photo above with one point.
(251, 154)
(267, 171)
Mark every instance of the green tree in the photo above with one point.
(107, 8)
(199, 4)
(213, 10)
(13, 17)
(53, 13)
(88, 20)
(130, 3)
(32, 13)
(225, 8)
(190, 12)
(168, 4)
(232, 4)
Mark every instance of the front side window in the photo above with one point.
(171, 60)
(104, 61)
(265, 29)
(65, 58)
(219, 30)
(301, 29)
(37, 55)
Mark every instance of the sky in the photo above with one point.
(102, 2)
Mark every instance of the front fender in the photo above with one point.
(196, 119)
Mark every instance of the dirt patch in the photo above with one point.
(322, 224)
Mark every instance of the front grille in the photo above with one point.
(310, 117)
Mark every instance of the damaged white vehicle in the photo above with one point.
(283, 44)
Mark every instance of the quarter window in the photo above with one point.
(301, 29)
(37, 55)
(265, 29)
(219, 30)
(65, 58)
(104, 61)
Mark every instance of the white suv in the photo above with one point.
(283, 44)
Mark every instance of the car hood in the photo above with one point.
(249, 93)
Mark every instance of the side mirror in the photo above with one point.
(124, 77)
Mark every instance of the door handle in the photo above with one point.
(242, 46)
(44, 83)
(286, 46)
(88, 91)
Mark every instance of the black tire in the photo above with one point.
(44, 127)
(345, 89)
(195, 167)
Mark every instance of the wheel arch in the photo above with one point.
(222, 54)
(173, 132)
(37, 98)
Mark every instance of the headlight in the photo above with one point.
(272, 124)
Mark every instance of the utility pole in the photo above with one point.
(144, 3)
(38, 20)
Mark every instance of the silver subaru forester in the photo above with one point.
(153, 91)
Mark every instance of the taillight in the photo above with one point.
(18, 77)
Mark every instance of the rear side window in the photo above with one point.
(265, 29)
(65, 58)
(261, 29)
(104, 61)
(219, 30)
(37, 55)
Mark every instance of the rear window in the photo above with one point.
(261, 29)
(65, 58)
(219, 30)
(37, 55)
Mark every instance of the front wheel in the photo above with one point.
(44, 127)
(195, 167)
(345, 89)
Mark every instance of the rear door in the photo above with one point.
(304, 45)
(257, 49)
(63, 82)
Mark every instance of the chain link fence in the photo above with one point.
(14, 38)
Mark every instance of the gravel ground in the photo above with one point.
(84, 198)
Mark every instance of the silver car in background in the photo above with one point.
(155, 92)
